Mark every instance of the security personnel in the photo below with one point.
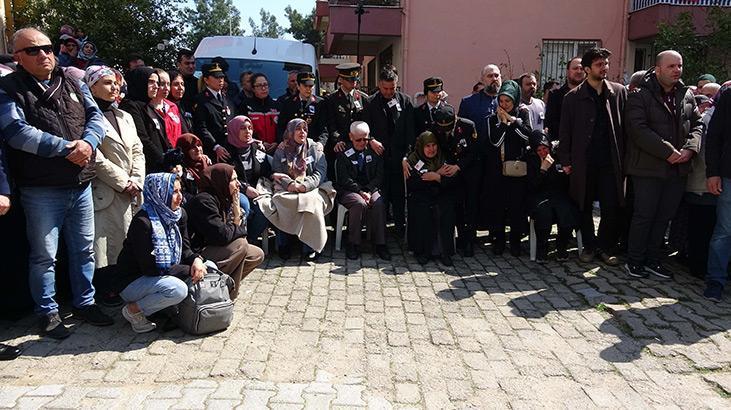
(458, 140)
(304, 105)
(212, 112)
(344, 106)
(423, 114)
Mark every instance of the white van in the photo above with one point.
(273, 57)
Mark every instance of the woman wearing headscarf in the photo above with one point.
(505, 183)
(194, 163)
(302, 195)
(251, 163)
(167, 110)
(548, 199)
(87, 52)
(142, 87)
(431, 196)
(120, 168)
(218, 227)
(156, 256)
(177, 91)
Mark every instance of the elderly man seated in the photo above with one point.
(358, 180)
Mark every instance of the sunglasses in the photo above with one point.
(34, 50)
(361, 139)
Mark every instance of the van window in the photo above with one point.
(276, 71)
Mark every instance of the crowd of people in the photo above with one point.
(154, 176)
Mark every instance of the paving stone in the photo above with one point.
(407, 393)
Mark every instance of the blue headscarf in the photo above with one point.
(167, 242)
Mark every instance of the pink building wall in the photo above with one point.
(455, 39)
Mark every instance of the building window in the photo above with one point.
(556, 53)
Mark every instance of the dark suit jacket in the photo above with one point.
(313, 111)
(210, 119)
(397, 136)
(151, 130)
(346, 171)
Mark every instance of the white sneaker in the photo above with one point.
(139, 322)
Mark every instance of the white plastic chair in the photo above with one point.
(339, 222)
(534, 241)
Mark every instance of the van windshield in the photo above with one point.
(276, 72)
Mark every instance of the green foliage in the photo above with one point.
(707, 54)
(268, 26)
(211, 18)
(302, 27)
(118, 28)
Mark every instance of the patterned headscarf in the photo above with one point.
(234, 127)
(293, 152)
(94, 73)
(167, 242)
(185, 143)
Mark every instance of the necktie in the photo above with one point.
(219, 98)
(361, 161)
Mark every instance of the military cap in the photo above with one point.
(221, 63)
(213, 69)
(444, 116)
(349, 71)
(305, 78)
(433, 84)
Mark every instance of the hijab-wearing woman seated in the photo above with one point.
(548, 199)
(194, 164)
(156, 256)
(431, 197)
(302, 196)
(251, 163)
(120, 168)
(218, 227)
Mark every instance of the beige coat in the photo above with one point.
(119, 159)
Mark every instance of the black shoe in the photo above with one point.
(446, 260)
(714, 291)
(8, 352)
(469, 249)
(659, 271)
(541, 257)
(53, 327)
(311, 257)
(284, 252)
(515, 251)
(109, 300)
(382, 252)
(422, 259)
(93, 315)
(352, 252)
(635, 271)
(562, 255)
(498, 248)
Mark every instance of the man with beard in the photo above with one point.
(664, 131)
(536, 108)
(591, 150)
(477, 107)
(574, 76)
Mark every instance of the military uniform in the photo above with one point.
(423, 114)
(342, 109)
(211, 114)
(311, 110)
(458, 141)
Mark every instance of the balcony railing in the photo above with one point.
(643, 4)
(367, 3)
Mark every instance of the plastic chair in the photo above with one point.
(339, 222)
(534, 241)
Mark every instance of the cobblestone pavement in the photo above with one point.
(492, 332)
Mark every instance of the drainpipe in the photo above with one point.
(404, 43)
(625, 40)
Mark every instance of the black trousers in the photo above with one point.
(512, 208)
(700, 231)
(601, 184)
(466, 207)
(393, 192)
(431, 222)
(656, 201)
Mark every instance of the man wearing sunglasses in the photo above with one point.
(52, 126)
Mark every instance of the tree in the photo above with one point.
(701, 54)
(117, 28)
(302, 27)
(268, 26)
(211, 18)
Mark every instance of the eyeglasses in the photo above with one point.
(263, 85)
(361, 139)
(34, 50)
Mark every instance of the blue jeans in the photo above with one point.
(256, 222)
(50, 211)
(155, 293)
(719, 250)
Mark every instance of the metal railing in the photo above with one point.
(643, 4)
(367, 3)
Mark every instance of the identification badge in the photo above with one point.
(350, 152)
(311, 109)
(392, 103)
(74, 97)
(462, 142)
(260, 155)
(247, 165)
(369, 158)
(354, 162)
(358, 105)
(284, 160)
(419, 165)
(398, 106)
(309, 160)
